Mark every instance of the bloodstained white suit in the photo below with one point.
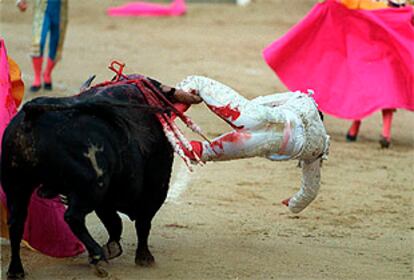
(278, 127)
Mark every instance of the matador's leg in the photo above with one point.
(241, 144)
(225, 102)
(259, 130)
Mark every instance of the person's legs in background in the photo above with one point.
(385, 139)
(387, 115)
(37, 69)
(352, 134)
(41, 25)
(47, 17)
(37, 61)
(53, 13)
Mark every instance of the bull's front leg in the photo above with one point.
(143, 256)
(75, 218)
(113, 224)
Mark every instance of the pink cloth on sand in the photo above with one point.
(138, 8)
(45, 228)
(356, 61)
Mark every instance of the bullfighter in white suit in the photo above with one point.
(278, 127)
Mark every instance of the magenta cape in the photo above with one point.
(356, 61)
(45, 229)
(7, 104)
(175, 8)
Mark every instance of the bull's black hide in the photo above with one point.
(104, 149)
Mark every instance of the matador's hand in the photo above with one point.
(22, 5)
(186, 97)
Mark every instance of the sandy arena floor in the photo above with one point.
(225, 220)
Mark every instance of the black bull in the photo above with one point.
(104, 150)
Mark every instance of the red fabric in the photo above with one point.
(7, 104)
(45, 228)
(181, 107)
(197, 150)
(138, 8)
(356, 61)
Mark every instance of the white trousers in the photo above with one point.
(278, 127)
(253, 134)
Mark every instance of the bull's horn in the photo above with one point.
(87, 83)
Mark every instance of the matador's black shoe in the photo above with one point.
(351, 138)
(47, 86)
(385, 142)
(35, 88)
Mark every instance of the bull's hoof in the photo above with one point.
(96, 262)
(144, 258)
(112, 250)
(15, 276)
(99, 270)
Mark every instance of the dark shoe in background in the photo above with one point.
(47, 86)
(384, 142)
(350, 138)
(35, 88)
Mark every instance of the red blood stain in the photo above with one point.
(234, 137)
(286, 201)
(286, 136)
(227, 113)
(180, 107)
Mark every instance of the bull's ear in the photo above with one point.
(87, 83)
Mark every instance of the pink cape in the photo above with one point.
(356, 61)
(176, 8)
(45, 228)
